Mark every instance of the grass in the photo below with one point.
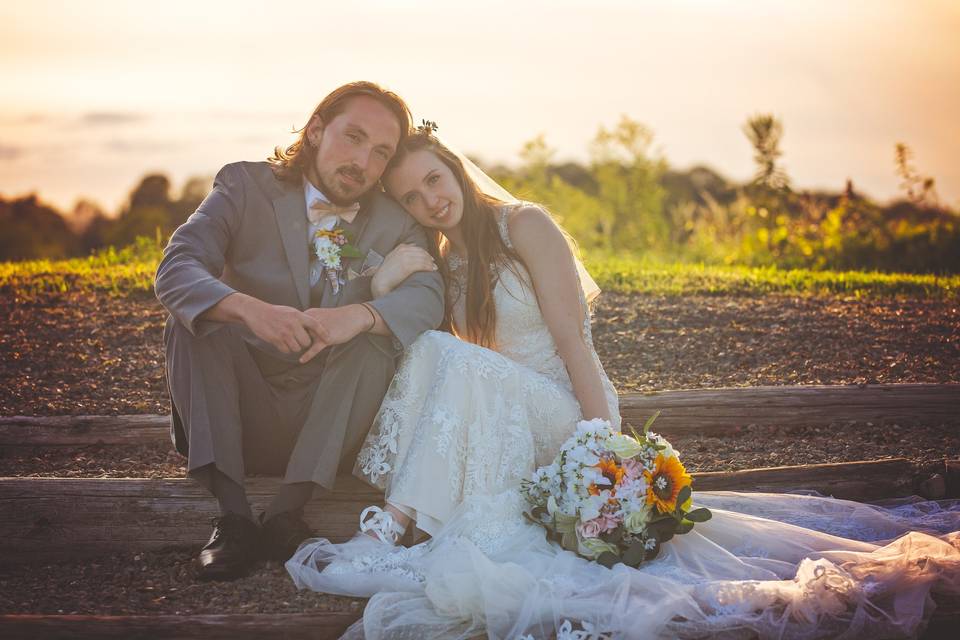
(130, 271)
(127, 271)
(635, 275)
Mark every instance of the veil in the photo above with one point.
(492, 188)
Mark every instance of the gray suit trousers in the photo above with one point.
(246, 411)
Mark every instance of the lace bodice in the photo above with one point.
(522, 333)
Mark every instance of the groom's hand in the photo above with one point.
(338, 325)
(287, 329)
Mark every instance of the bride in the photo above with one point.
(468, 416)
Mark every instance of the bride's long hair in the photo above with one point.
(487, 253)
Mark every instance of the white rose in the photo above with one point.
(637, 520)
(624, 446)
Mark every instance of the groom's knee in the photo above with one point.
(367, 347)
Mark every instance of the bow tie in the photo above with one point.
(319, 210)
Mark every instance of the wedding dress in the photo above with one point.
(461, 426)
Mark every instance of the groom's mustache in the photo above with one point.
(352, 172)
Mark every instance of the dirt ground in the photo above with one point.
(92, 353)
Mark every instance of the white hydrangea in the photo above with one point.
(590, 507)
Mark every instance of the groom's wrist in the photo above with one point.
(235, 307)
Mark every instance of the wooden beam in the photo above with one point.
(708, 411)
(52, 431)
(863, 481)
(279, 626)
(47, 519)
(714, 411)
(54, 518)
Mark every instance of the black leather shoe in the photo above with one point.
(282, 534)
(232, 549)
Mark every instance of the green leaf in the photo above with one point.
(635, 554)
(684, 527)
(564, 523)
(350, 251)
(649, 422)
(608, 559)
(684, 495)
(699, 515)
(662, 517)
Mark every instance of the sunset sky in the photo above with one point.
(95, 94)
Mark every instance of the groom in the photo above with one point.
(277, 361)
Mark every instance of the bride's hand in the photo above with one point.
(404, 260)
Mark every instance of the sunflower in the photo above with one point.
(665, 482)
(612, 472)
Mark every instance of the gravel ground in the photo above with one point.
(162, 582)
(90, 353)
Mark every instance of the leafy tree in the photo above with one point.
(920, 190)
(31, 230)
(628, 177)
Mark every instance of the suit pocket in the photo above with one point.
(355, 290)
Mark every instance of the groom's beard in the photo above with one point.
(333, 192)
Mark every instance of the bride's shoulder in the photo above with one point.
(529, 225)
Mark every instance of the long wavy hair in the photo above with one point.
(290, 163)
(487, 253)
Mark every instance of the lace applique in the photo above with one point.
(446, 423)
(502, 223)
(397, 561)
(587, 631)
(492, 521)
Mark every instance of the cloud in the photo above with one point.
(8, 152)
(110, 118)
(120, 145)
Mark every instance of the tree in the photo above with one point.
(629, 176)
(31, 230)
(771, 186)
(150, 208)
(764, 132)
(920, 190)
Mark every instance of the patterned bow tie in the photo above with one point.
(319, 210)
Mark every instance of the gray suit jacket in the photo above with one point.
(250, 235)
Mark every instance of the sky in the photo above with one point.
(96, 94)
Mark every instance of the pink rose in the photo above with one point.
(607, 522)
(590, 528)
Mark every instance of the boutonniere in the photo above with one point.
(331, 246)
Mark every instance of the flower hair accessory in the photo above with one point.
(428, 127)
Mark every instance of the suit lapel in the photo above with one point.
(291, 212)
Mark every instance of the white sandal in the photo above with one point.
(382, 525)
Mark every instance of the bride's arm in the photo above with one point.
(541, 244)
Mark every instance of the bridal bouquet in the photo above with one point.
(613, 497)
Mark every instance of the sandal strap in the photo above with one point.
(381, 524)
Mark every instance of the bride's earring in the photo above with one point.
(381, 524)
